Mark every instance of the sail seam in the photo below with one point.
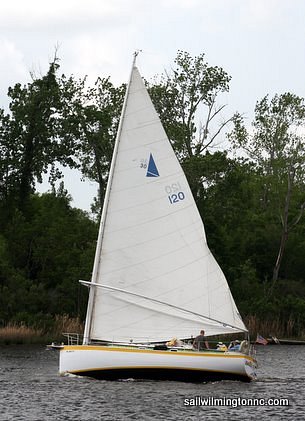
(146, 182)
(149, 220)
(187, 229)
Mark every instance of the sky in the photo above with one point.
(259, 43)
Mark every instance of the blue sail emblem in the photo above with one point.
(152, 170)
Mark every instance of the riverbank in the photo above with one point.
(19, 333)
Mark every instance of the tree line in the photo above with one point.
(248, 183)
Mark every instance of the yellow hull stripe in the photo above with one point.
(148, 351)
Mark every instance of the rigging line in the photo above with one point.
(87, 283)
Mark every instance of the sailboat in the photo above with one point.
(154, 277)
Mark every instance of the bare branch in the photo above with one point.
(298, 218)
(216, 134)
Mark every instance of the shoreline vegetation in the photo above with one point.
(19, 333)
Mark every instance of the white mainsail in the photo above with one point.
(154, 275)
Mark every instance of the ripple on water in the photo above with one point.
(32, 390)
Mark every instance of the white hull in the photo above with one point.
(110, 362)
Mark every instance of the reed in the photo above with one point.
(273, 327)
(65, 324)
(14, 333)
(20, 333)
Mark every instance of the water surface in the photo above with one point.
(31, 389)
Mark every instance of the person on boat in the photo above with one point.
(221, 347)
(174, 342)
(200, 342)
(234, 346)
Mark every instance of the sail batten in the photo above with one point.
(152, 243)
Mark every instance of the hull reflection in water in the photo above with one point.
(110, 362)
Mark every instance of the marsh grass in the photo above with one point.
(275, 327)
(19, 333)
(64, 323)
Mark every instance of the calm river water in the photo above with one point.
(30, 389)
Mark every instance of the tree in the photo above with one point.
(7, 151)
(42, 257)
(277, 146)
(178, 100)
(98, 122)
(32, 136)
(187, 104)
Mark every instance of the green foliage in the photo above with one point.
(31, 136)
(98, 122)
(277, 149)
(187, 96)
(49, 248)
(248, 205)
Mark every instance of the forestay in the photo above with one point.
(159, 277)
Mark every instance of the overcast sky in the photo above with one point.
(260, 43)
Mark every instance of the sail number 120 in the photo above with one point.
(175, 198)
(174, 193)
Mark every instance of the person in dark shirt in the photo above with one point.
(200, 342)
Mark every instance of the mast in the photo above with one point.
(96, 265)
